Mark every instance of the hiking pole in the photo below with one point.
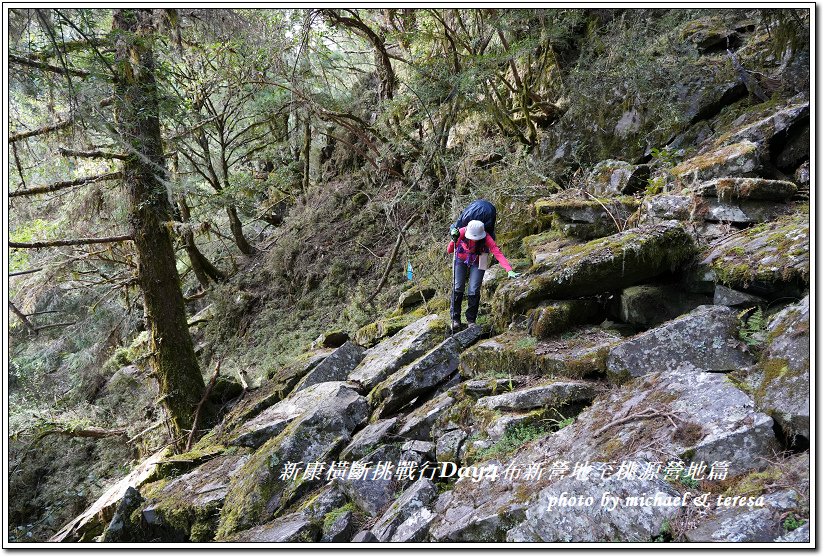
(452, 296)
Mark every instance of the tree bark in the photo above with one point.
(136, 108)
(202, 267)
(237, 231)
(63, 185)
(307, 147)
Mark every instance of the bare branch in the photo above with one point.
(73, 242)
(47, 67)
(68, 184)
(92, 154)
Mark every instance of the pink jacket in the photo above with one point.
(466, 249)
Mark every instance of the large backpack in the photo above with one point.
(481, 210)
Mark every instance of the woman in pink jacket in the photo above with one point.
(471, 260)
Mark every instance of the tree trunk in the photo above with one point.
(173, 356)
(307, 146)
(202, 267)
(237, 231)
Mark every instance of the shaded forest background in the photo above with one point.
(306, 157)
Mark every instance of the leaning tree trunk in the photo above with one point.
(173, 356)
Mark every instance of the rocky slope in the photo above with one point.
(647, 373)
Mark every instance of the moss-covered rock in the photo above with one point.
(369, 335)
(188, 506)
(598, 266)
(747, 188)
(764, 259)
(555, 317)
(651, 305)
(258, 492)
(613, 177)
(587, 218)
(737, 159)
(784, 390)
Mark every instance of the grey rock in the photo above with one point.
(555, 317)
(735, 299)
(338, 530)
(330, 498)
(668, 207)
(468, 336)
(747, 188)
(276, 418)
(498, 428)
(705, 339)
(366, 439)
(449, 444)
(295, 527)
(741, 212)
(419, 495)
(784, 392)
(799, 535)
(370, 495)
(615, 262)
(482, 387)
(317, 434)
(120, 528)
(802, 175)
(336, 366)
(554, 394)
(331, 339)
(649, 306)
(415, 296)
(627, 523)
(616, 177)
(422, 447)
(418, 424)
(416, 527)
(364, 536)
(416, 378)
(736, 159)
(405, 346)
(746, 524)
(585, 218)
(763, 130)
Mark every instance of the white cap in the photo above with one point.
(475, 230)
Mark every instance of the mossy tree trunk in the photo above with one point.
(150, 212)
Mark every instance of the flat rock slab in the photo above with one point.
(747, 188)
(747, 524)
(418, 424)
(600, 215)
(730, 297)
(556, 317)
(416, 378)
(784, 390)
(765, 258)
(668, 207)
(580, 353)
(295, 527)
(705, 339)
(274, 419)
(261, 489)
(598, 266)
(368, 438)
(335, 367)
(416, 527)
(627, 522)
(557, 394)
(407, 345)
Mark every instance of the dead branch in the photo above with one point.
(67, 184)
(20, 315)
(28, 272)
(92, 154)
(212, 381)
(47, 67)
(644, 415)
(59, 125)
(392, 256)
(73, 242)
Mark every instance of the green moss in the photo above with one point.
(330, 517)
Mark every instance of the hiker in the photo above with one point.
(472, 259)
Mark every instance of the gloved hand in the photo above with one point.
(454, 233)
(513, 274)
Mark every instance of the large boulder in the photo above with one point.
(418, 423)
(758, 189)
(705, 339)
(415, 379)
(587, 218)
(784, 390)
(407, 345)
(738, 159)
(121, 528)
(335, 367)
(93, 520)
(768, 259)
(598, 266)
(261, 489)
(188, 506)
(296, 527)
(551, 318)
(747, 524)
(613, 177)
(368, 438)
(629, 520)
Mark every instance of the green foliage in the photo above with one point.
(514, 438)
(655, 186)
(687, 481)
(792, 522)
(752, 328)
(665, 156)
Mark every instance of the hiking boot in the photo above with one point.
(456, 325)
